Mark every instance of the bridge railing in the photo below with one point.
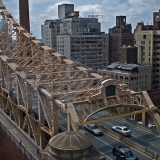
(18, 143)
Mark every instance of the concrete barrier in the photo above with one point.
(128, 142)
(149, 152)
(113, 134)
(140, 148)
(158, 157)
(155, 155)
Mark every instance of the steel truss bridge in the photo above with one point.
(38, 84)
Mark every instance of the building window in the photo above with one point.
(110, 90)
(144, 36)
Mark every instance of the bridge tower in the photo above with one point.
(24, 14)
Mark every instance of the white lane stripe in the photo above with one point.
(96, 138)
(132, 134)
(125, 121)
(101, 141)
(105, 155)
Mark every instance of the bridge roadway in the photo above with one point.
(30, 145)
(141, 135)
(105, 143)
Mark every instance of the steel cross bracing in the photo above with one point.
(38, 84)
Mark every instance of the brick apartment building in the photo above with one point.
(147, 39)
(119, 35)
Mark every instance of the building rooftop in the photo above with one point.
(124, 67)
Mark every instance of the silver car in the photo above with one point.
(92, 128)
(122, 130)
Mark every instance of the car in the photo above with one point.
(92, 128)
(122, 130)
(123, 153)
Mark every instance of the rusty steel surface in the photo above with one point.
(38, 84)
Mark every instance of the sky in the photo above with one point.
(134, 10)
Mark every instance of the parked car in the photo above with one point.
(92, 128)
(123, 153)
(122, 130)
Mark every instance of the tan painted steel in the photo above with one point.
(37, 85)
(118, 116)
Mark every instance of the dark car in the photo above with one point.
(123, 153)
(92, 128)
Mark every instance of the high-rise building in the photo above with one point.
(64, 10)
(49, 32)
(147, 39)
(119, 35)
(24, 14)
(51, 28)
(81, 40)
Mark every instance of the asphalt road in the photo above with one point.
(104, 143)
(140, 135)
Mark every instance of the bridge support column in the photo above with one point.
(68, 121)
(145, 119)
(42, 139)
(20, 115)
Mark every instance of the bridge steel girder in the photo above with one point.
(38, 85)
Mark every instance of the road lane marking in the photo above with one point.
(104, 155)
(124, 120)
(132, 134)
(127, 145)
(109, 144)
(100, 141)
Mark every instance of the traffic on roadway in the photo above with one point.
(104, 143)
(140, 135)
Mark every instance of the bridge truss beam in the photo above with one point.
(38, 85)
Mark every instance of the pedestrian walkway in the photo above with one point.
(24, 141)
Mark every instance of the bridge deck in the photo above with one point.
(20, 136)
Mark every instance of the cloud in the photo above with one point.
(89, 9)
(135, 10)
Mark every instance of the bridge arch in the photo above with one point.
(115, 106)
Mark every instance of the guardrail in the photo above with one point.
(145, 150)
(143, 126)
(18, 143)
(137, 124)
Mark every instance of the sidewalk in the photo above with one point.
(23, 139)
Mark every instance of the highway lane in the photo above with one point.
(103, 144)
(139, 135)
